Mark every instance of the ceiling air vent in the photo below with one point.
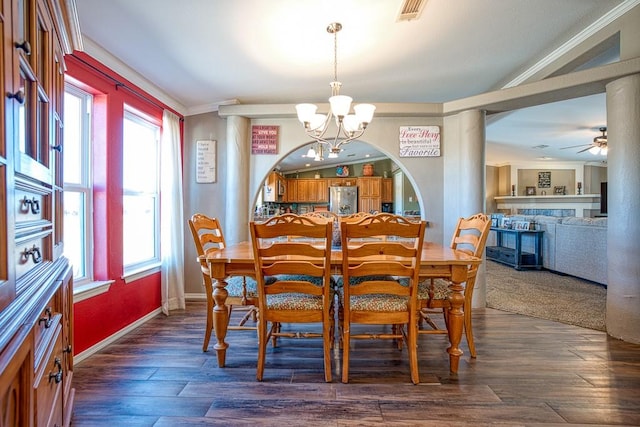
(411, 9)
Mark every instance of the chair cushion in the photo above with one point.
(294, 301)
(440, 289)
(382, 303)
(234, 287)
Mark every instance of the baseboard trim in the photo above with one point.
(195, 297)
(78, 358)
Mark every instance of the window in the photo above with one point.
(77, 182)
(141, 192)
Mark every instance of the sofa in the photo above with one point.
(570, 245)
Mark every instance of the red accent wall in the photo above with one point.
(97, 318)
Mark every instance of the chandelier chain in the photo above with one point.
(335, 56)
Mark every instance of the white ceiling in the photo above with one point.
(195, 55)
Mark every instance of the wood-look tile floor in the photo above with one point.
(529, 372)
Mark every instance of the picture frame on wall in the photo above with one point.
(530, 191)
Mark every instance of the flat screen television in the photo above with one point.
(603, 198)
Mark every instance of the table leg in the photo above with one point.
(456, 315)
(220, 319)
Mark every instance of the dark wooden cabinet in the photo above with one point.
(36, 286)
(511, 253)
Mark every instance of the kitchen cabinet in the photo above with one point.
(341, 182)
(369, 194)
(36, 286)
(274, 189)
(387, 190)
(307, 190)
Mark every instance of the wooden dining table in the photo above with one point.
(436, 261)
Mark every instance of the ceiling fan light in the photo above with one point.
(604, 150)
(594, 150)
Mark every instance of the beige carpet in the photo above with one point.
(546, 295)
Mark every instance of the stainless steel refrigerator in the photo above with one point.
(343, 200)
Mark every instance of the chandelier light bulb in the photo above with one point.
(311, 152)
(306, 112)
(364, 113)
(340, 105)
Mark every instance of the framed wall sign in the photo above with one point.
(264, 139)
(419, 141)
(544, 179)
(205, 161)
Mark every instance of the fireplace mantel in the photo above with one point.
(584, 205)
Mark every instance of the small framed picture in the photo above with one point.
(531, 191)
(559, 190)
(521, 225)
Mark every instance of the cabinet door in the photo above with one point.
(322, 191)
(33, 91)
(292, 190)
(387, 190)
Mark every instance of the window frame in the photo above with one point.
(85, 186)
(136, 270)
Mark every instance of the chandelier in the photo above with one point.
(350, 126)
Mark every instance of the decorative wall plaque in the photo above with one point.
(419, 141)
(544, 179)
(205, 161)
(264, 139)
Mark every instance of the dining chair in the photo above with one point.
(373, 271)
(208, 237)
(321, 215)
(470, 236)
(294, 280)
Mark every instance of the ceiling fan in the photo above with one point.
(598, 146)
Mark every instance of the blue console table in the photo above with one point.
(514, 256)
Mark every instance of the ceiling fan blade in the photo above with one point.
(576, 146)
(586, 149)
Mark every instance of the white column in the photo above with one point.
(623, 228)
(465, 180)
(236, 227)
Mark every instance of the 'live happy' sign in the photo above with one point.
(419, 141)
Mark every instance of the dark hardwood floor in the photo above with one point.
(529, 372)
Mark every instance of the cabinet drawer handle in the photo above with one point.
(57, 376)
(25, 46)
(18, 96)
(46, 320)
(33, 205)
(67, 349)
(34, 253)
(58, 148)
